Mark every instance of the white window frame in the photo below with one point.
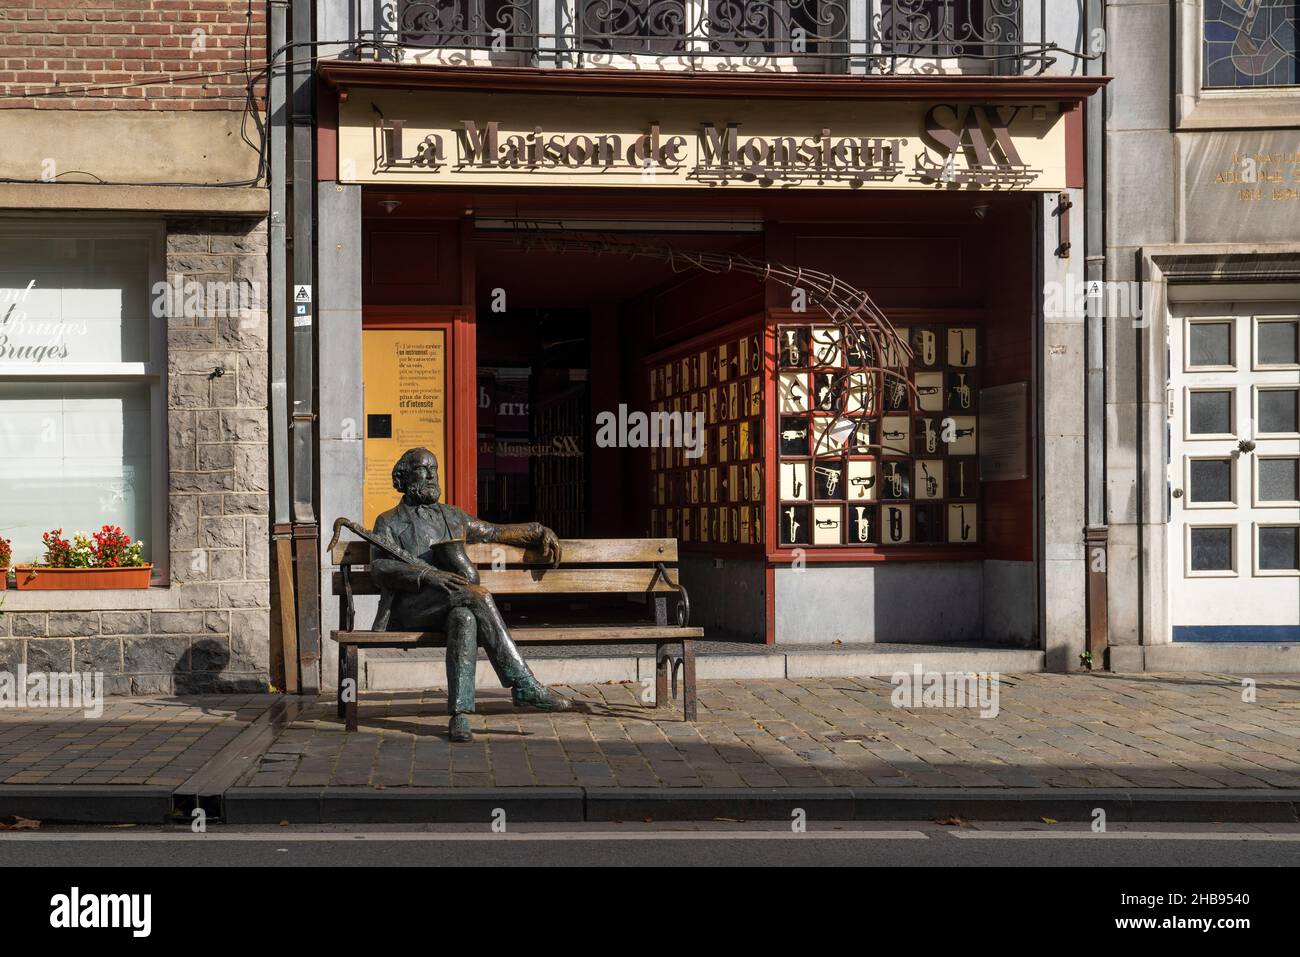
(153, 372)
(1258, 364)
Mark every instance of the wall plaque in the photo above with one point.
(1004, 428)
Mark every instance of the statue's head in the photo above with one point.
(416, 476)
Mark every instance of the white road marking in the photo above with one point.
(1123, 836)
(315, 836)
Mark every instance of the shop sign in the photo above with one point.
(512, 141)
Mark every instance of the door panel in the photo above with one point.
(1234, 472)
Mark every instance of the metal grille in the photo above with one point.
(709, 35)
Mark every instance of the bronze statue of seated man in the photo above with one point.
(439, 590)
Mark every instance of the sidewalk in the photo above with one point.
(1150, 747)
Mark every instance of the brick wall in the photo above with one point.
(47, 44)
(214, 633)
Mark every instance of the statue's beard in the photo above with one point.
(423, 493)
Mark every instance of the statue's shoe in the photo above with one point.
(460, 730)
(539, 696)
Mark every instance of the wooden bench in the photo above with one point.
(638, 566)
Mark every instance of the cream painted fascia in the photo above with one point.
(200, 148)
(29, 199)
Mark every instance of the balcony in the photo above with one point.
(870, 37)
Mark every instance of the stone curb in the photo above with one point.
(345, 805)
(86, 804)
(364, 805)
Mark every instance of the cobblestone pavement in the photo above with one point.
(1068, 731)
(150, 741)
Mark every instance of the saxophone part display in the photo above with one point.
(861, 484)
(931, 436)
(895, 480)
(861, 523)
(792, 526)
(961, 391)
(895, 524)
(830, 480)
(931, 483)
(925, 341)
(796, 486)
(793, 355)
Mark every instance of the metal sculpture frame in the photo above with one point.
(861, 324)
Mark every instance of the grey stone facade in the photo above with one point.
(1170, 222)
(210, 629)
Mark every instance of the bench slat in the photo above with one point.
(586, 551)
(619, 632)
(548, 581)
(575, 551)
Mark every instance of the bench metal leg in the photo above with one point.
(662, 663)
(666, 666)
(342, 673)
(688, 680)
(350, 707)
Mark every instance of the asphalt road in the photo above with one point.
(896, 845)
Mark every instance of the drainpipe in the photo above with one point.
(306, 530)
(1095, 535)
(281, 527)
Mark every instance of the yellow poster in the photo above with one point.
(405, 404)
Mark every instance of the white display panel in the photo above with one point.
(75, 456)
(74, 299)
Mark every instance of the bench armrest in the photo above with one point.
(683, 599)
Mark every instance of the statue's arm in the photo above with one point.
(391, 574)
(523, 535)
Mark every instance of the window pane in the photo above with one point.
(1250, 44)
(1211, 412)
(1279, 548)
(74, 456)
(1211, 343)
(1279, 480)
(74, 299)
(1279, 342)
(1211, 549)
(1279, 410)
(1211, 480)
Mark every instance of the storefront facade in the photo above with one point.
(532, 268)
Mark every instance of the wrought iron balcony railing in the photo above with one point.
(857, 36)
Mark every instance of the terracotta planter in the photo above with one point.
(32, 578)
(4, 577)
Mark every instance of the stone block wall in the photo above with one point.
(210, 630)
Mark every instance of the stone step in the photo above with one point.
(413, 671)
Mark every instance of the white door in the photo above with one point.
(1234, 472)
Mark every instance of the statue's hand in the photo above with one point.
(449, 582)
(551, 547)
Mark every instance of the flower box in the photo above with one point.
(36, 578)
